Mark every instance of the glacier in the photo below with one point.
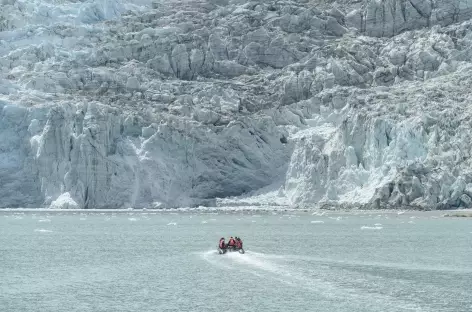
(302, 104)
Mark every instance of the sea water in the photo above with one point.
(152, 261)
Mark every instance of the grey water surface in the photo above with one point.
(64, 262)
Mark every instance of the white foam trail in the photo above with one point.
(319, 285)
(385, 265)
(213, 257)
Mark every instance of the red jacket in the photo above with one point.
(231, 242)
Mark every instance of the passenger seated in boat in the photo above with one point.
(222, 243)
(239, 243)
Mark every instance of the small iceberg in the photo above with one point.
(316, 222)
(171, 223)
(371, 227)
(132, 219)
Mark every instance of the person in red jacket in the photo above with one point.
(222, 243)
(239, 243)
(231, 242)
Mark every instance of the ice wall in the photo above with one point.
(114, 104)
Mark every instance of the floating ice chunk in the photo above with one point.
(411, 222)
(132, 219)
(316, 222)
(371, 227)
(171, 223)
(253, 221)
(400, 212)
(204, 222)
(43, 231)
(44, 220)
(378, 224)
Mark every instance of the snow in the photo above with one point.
(287, 105)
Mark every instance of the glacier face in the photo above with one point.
(116, 103)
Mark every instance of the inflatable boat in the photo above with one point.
(230, 249)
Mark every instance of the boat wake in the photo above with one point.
(327, 278)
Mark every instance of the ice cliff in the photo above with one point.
(121, 103)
